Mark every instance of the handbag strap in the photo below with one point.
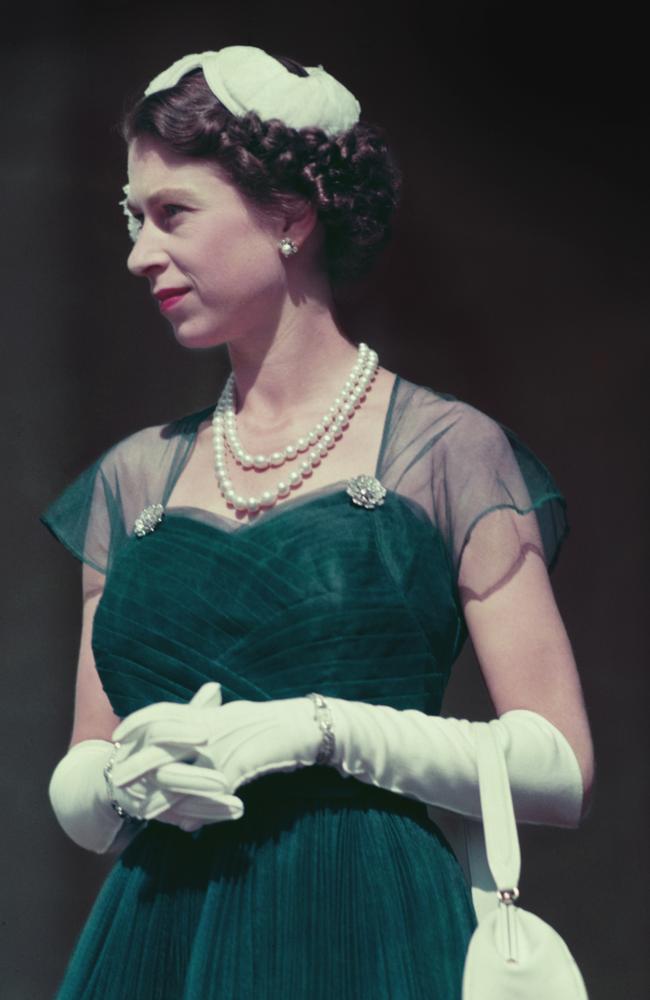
(499, 824)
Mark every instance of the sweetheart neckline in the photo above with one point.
(335, 487)
(329, 489)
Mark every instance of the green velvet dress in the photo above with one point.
(327, 887)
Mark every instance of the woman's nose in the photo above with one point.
(146, 253)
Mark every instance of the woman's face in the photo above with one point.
(199, 236)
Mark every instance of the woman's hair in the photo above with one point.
(351, 179)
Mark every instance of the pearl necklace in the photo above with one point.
(317, 442)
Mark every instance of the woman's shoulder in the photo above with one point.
(445, 415)
(152, 443)
(94, 513)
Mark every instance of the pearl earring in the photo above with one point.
(287, 246)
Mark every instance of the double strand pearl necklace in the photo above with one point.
(316, 443)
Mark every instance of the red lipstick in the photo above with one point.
(168, 297)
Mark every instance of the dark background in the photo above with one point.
(516, 280)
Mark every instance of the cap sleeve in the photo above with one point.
(87, 517)
(489, 487)
(94, 515)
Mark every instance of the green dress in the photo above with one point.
(327, 887)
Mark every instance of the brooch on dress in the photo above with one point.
(148, 519)
(366, 491)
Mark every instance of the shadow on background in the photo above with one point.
(516, 280)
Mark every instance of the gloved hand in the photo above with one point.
(245, 740)
(81, 800)
(433, 759)
(153, 737)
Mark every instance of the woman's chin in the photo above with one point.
(198, 341)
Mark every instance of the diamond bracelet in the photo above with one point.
(323, 716)
(108, 767)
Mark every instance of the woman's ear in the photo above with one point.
(300, 221)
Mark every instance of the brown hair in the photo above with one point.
(352, 179)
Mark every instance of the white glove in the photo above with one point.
(81, 800)
(152, 738)
(433, 759)
(428, 758)
(246, 739)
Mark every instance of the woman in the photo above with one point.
(276, 588)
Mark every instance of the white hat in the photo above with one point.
(245, 78)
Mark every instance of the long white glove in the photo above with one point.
(434, 759)
(81, 799)
(428, 758)
(240, 741)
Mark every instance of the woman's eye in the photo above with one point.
(135, 220)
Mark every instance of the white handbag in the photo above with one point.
(512, 955)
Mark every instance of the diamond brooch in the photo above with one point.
(366, 491)
(148, 519)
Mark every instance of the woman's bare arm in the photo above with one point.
(523, 648)
(93, 716)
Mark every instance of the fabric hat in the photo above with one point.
(246, 78)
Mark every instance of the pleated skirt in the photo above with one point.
(326, 888)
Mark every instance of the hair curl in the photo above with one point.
(352, 179)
